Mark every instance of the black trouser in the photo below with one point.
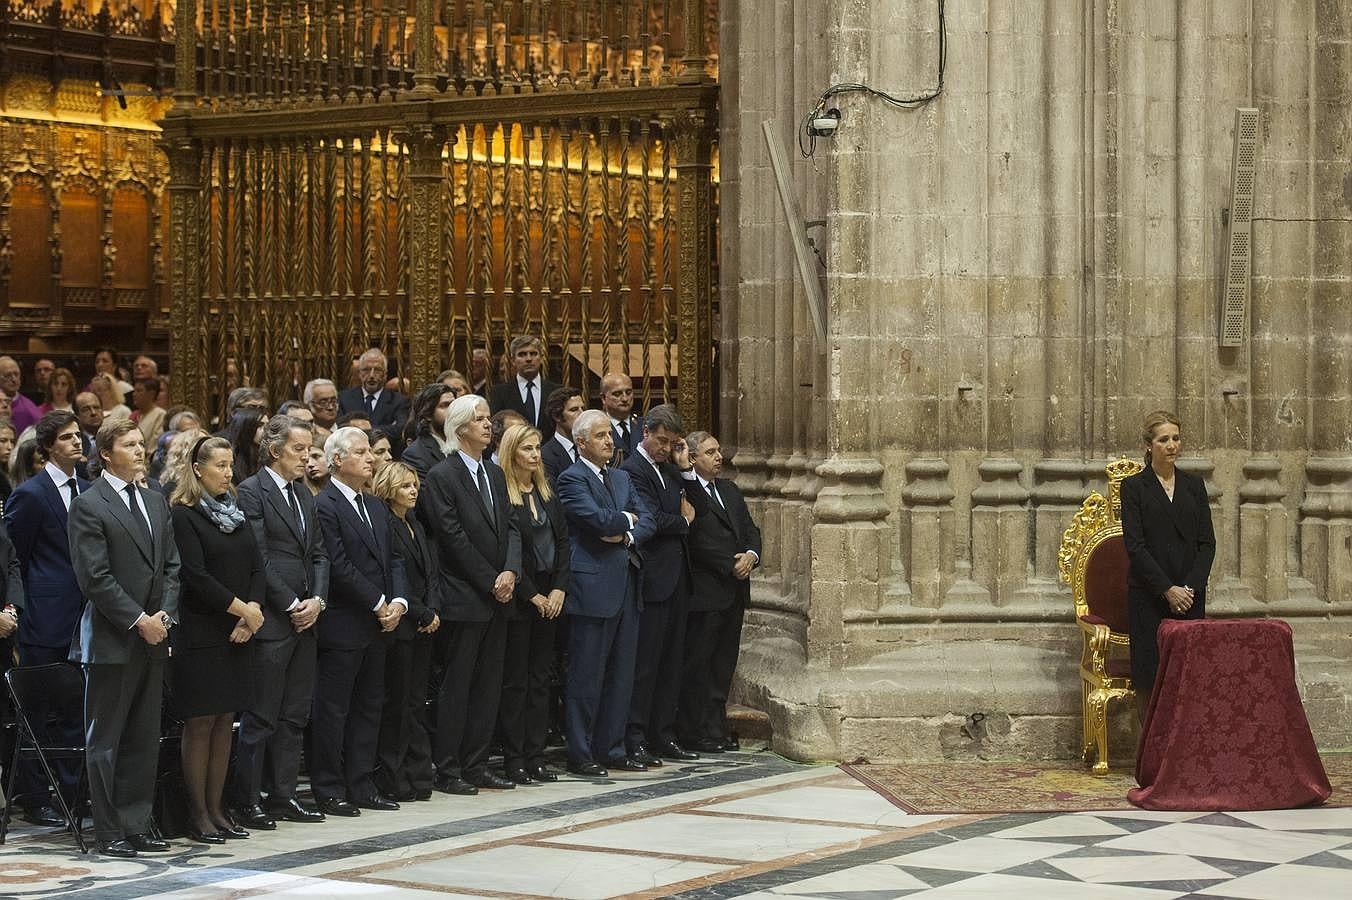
(271, 733)
(404, 751)
(657, 673)
(712, 641)
(467, 702)
(30, 784)
(349, 691)
(523, 712)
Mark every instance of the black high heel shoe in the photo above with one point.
(205, 837)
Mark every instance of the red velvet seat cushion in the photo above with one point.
(1105, 583)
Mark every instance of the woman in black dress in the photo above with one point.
(1166, 526)
(523, 711)
(405, 745)
(220, 609)
(244, 434)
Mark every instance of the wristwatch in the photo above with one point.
(323, 604)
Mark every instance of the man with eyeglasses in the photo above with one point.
(321, 395)
(386, 408)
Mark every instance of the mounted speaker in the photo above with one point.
(1239, 234)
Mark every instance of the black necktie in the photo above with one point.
(74, 491)
(573, 450)
(361, 510)
(713, 492)
(483, 489)
(136, 511)
(370, 404)
(530, 403)
(624, 435)
(295, 508)
(605, 480)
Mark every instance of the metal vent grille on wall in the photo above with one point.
(1239, 238)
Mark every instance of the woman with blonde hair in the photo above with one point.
(1166, 526)
(404, 747)
(176, 459)
(523, 711)
(104, 387)
(220, 608)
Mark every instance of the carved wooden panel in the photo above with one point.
(81, 231)
(30, 263)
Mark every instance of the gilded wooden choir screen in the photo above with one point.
(430, 179)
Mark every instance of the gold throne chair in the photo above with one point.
(1093, 561)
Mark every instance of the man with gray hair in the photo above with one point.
(387, 409)
(608, 523)
(23, 412)
(286, 530)
(245, 398)
(526, 393)
(321, 395)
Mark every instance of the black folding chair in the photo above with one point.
(57, 689)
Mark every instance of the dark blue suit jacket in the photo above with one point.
(36, 518)
(362, 567)
(665, 561)
(600, 569)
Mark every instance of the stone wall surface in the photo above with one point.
(1015, 274)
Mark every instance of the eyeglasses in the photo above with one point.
(330, 401)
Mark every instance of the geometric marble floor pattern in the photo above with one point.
(738, 825)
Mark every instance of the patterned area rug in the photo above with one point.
(990, 787)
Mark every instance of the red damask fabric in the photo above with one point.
(1226, 729)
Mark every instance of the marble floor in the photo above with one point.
(738, 825)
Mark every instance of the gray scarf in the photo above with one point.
(224, 513)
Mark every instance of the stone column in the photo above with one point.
(927, 531)
(850, 544)
(1326, 527)
(1000, 529)
(1059, 487)
(1263, 530)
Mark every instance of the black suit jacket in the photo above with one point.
(717, 535)
(390, 414)
(216, 568)
(666, 567)
(555, 458)
(535, 579)
(35, 515)
(422, 455)
(472, 546)
(508, 396)
(419, 556)
(296, 565)
(624, 448)
(361, 569)
(1168, 543)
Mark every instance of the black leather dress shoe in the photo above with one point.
(627, 764)
(292, 810)
(492, 781)
(232, 831)
(455, 786)
(205, 837)
(587, 770)
(145, 843)
(675, 751)
(335, 807)
(44, 816)
(540, 773)
(254, 817)
(422, 794)
(519, 775)
(407, 796)
(707, 745)
(117, 849)
(643, 755)
(378, 802)
(731, 743)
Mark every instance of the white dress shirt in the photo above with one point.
(62, 482)
(351, 496)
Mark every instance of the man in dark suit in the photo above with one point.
(617, 400)
(429, 417)
(89, 410)
(464, 505)
(366, 597)
(126, 563)
(725, 545)
(558, 452)
(651, 733)
(11, 606)
(36, 515)
(286, 530)
(387, 409)
(526, 393)
(607, 523)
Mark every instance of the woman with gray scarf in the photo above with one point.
(212, 668)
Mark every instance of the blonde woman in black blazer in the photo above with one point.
(1166, 526)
